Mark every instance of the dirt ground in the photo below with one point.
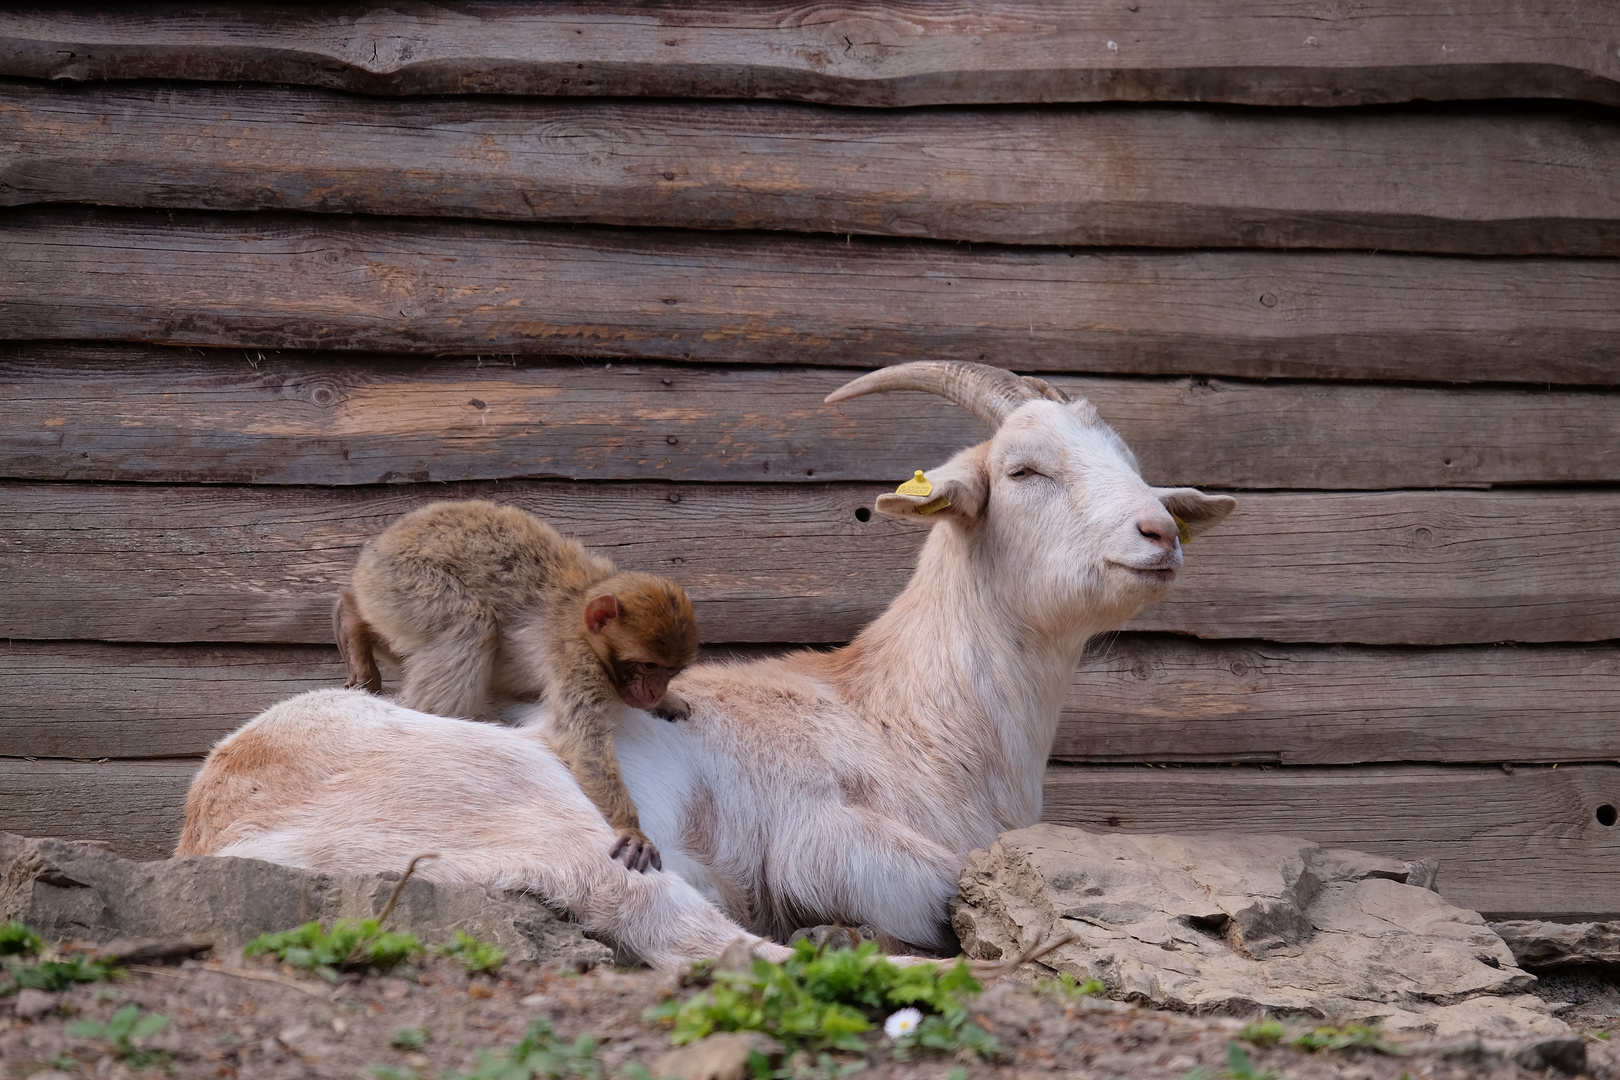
(260, 1021)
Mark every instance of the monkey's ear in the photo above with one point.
(600, 611)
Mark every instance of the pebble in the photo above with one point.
(33, 1004)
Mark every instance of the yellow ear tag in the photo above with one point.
(918, 485)
(934, 505)
(1183, 530)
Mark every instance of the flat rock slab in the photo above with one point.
(1538, 944)
(1246, 924)
(75, 890)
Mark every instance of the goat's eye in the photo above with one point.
(1023, 472)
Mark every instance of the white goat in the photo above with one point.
(843, 786)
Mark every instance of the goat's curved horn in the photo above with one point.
(990, 393)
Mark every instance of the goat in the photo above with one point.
(815, 787)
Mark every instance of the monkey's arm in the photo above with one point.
(586, 747)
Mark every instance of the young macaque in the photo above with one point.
(477, 601)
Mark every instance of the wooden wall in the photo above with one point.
(270, 277)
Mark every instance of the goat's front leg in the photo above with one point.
(875, 871)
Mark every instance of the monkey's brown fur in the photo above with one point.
(476, 601)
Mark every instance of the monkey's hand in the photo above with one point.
(671, 707)
(636, 851)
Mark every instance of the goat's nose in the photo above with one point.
(1159, 531)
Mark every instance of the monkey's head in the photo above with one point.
(643, 630)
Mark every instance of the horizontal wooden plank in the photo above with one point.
(1139, 697)
(1484, 183)
(1135, 698)
(269, 281)
(857, 54)
(773, 562)
(78, 699)
(87, 412)
(1526, 843)
(136, 806)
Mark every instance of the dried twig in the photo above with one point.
(991, 969)
(393, 897)
(268, 976)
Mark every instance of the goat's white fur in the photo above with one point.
(816, 787)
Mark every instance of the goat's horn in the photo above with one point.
(990, 393)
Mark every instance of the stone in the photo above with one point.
(1247, 924)
(80, 891)
(1536, 944)
(721, 1056)
(33, 1004)
(1566, 1055)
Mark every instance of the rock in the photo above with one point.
(33, 1004)
(1566, 1055)
(1247, 923)
(721, 1056)
(68, 890)
(1537, 944)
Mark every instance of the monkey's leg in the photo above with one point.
(451, 676)
(354, 642)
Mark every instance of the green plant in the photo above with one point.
(1263, 1032)
(348, 946)
(1239, 1067)
(1067, 987)
(476, 956)
(122, 1029)
(537, 1057)
(15, 938)
(53, 976)
(409, 1039)
(1348, 1037)
(827, 999)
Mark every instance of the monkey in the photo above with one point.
(473, 600)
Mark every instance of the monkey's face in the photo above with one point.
(642, 683)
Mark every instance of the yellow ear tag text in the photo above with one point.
(934, 505)
(1183, 530)
(918, 485)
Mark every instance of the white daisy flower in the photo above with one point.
(902, 1023)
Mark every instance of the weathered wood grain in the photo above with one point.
(1483, 183)
(1136, 698)
(137, 806)
(1525, 844)
(771, 562)
(1508, 843)
(78, 699)
(1160, 698)
(267, 281)
(856, 54)
(86, 412)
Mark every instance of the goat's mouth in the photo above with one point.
(1159, 574)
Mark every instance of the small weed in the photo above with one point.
(537, 1057)
(1239, 1067)
(476, 956)
(1263, 1033)
(15, 939)
(1348, 1037)
(1067, 987)
(54, 976)
(122, 1029)
(1601, 1035)
(409, 1039)
(827, 999)
(348, 946)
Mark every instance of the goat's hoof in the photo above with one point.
(834, 935)
(636, 851)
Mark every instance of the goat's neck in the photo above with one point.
(953, 661)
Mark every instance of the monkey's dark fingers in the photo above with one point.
(657, 860)
(623, 841)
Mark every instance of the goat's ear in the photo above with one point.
(960, 487)
(1194, 510)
